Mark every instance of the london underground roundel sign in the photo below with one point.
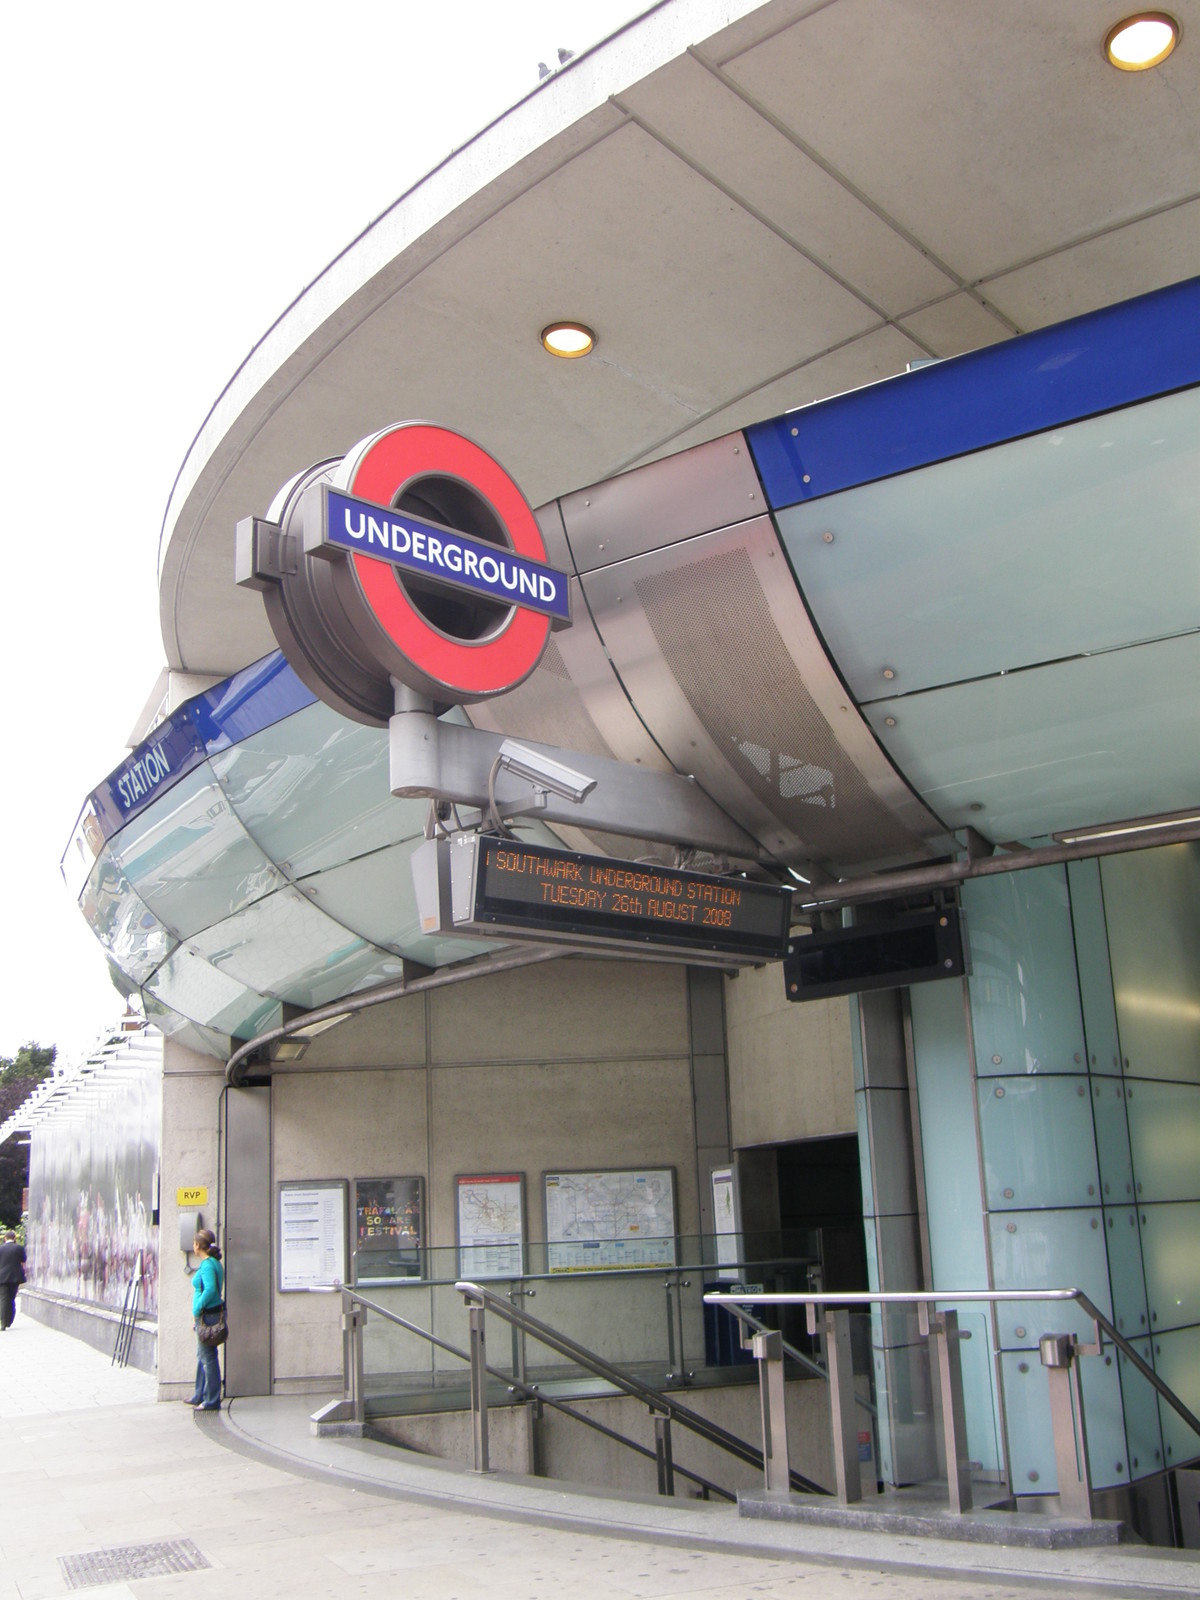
(413, 560)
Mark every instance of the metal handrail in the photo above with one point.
(129, 1311)
(969, 1296)
(807, 1362)
(654, 1398)
(529, 1391)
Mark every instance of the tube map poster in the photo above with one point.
(603, 1221)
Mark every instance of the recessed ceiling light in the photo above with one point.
(1141, 41)
(568, 339)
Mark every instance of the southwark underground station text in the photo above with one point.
(565, 892)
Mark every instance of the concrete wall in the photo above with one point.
(572, 1064)
(791, 1068)
(192, 1085)
(565, 1449)
(95, 1325)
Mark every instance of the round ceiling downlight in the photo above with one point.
(1141, 41)
(568, 339)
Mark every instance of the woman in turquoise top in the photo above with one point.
(208, 1291)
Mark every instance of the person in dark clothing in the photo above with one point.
(12, 1276)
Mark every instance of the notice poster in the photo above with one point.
(312, 1236)
(387, 1227)
(491, 1225)
(726, 1233)
(605, 1221)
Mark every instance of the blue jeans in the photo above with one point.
(208, 1375)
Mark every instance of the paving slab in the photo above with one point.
(93, 1463)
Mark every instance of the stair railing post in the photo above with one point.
(664, 1459)
(479, 1397)
(841, 1407)
(768, 1352)
(1060, 1356)
(944, 1343)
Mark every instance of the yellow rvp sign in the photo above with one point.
(191, 1197)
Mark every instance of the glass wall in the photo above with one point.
(1060, 1124)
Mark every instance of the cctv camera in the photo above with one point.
(543, 772)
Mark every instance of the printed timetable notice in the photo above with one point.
(531, 888)
(312, 1236)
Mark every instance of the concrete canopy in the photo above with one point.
(754, 206)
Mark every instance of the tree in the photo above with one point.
(19, 1076)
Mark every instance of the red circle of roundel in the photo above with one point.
(491, 665)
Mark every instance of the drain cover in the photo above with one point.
(130, 1561)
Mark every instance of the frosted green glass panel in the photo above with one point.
(190, 859)
(946, 1100)
(1027, 1419)
(373, 896)
(1030, 1435)
(1112, 1140)
(1152, 899)
(314, 790)
(981, 1402)
(283, 946)
(1024, 992)
(205, 1041)
(1143, 1430)
(1047, 1250)
(1067, 745)
(865, 1164)
(1103, 1409)
(956, 569)
(1091, 960)
(1164, 1132)
(1177, 1362)
(1038, 1142)
(189, 984)
(134, 938)
(1171, 1259)
(1124, 1244)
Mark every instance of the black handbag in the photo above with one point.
(212, 1328)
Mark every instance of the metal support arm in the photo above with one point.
(444, 761)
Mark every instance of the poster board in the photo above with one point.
(727, 1230)
(389, 1218)
(312, 1235)
(490, 1213)
(607, 1221)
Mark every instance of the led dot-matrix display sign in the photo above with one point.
(531, 890)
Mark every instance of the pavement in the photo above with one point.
(104, 1488)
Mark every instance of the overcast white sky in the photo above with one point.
(173, 176)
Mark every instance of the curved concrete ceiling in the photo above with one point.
(755, 207)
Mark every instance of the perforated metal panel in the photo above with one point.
(691, 648)
(719, 657)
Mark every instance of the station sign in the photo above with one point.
(414, 560)
(485, 885)
(440, 554)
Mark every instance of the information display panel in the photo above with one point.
(388, 1227)
(312, 1235)
(606, 1221)
(535, 891)
(490, 1208)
